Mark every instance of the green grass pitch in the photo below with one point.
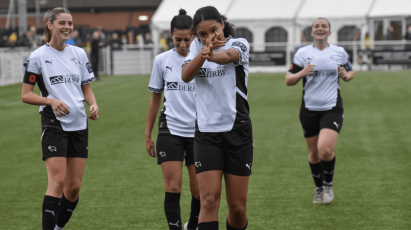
(123, 187)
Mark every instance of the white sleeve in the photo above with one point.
(299, 59)
(243, 48)
(87, 75)
(156, 84)
(32, 64)
(195, 48)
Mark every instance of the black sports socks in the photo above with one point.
(229, 227)
(65, 211)
(172, 210)
(50, 208)
(208, 225)
(328, 171)
(318, 175)
(195, 211)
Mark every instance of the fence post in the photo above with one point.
(108, 60)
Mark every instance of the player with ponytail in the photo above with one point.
(175, 138)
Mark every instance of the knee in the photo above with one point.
(238, 212)
(210, 202)
(314, 156)
(326, 152)
(173, 188)
(72, 190)
(57, 183)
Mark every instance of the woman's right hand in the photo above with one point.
(308, 70)
(150, 147)
(60, 108)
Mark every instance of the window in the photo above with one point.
(276, 34)
(307, 35)
(244, 33)
(349, 33)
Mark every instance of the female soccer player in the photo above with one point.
(176, 123)
(63, 74)
(223, 139)
(320, 65)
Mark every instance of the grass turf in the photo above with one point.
(123, 186)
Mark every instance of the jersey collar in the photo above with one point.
(57, 51)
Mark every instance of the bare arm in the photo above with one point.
(343, 74)
(190, 70)
(29, 97)
(153, 108)
(91, 101)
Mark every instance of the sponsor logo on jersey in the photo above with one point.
(241, 45)
(180, 86)
(170, 68)
(50, 62)
(90, 70)
(209, 72)
(324, 73)
(72, 78)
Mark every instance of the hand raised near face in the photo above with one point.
(207, 52)
(215, 42)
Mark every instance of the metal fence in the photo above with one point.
(138, 59)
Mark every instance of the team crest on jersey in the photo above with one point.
(76, 61)
(210, 72)
(241, 45)
(90, 70)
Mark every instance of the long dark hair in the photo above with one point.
(211, 13)
(51, 15)
(181, 21)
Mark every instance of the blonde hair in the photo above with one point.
(51, 15)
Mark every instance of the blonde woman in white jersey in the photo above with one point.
(176, 123)
(63, 74)
(320, 65)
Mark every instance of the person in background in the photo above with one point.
(96, 43)
(75, 36)
(71, 41)
(147, 39)
(163, 42)
(4, 40)
(12, 40)
(102, 34)
(115, 42)
(124, 39)
(408, 38)
(25, 40)
(130, 36)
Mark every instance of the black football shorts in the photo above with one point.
(59, 143)
(174, 148)
(313, 121)
(230, 152)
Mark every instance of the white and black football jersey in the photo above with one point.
(179, 109)
(322, 88)
(221, 90)
(60, 75)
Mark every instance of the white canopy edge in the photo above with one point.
(391, 8)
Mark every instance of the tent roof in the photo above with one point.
(169, 8)
(391, 8)
(263, 9)
(334, 9)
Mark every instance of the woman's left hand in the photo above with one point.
(94, 112)
(342, 73)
